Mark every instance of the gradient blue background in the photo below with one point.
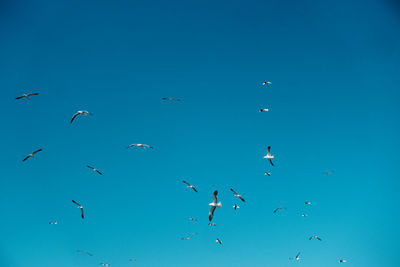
(334, 105)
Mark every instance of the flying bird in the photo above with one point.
(269, 156)
(218, 241)
(296, 258)
(132, 260)
(190, 186)
(212, 224)
(235, 207)
(139, 145)
(170, 99)
(267, 173)
(278, 208)
(266, 83)
(185, 238)
(94, 169)
(79, 112)
(307, 203)
(264, 110)
(237, 195)
(85, 252)
(26, 95)
(31, 155)
(315, 237)
(192, 219)
(79, 207)
(342, 261)
(328, 173)
(213, 205)
(304, 215)
(53, 223)
(105, 264)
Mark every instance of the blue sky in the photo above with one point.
(335, 73)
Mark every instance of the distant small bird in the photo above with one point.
(342, 261)
(53, 223)
(192, 219)
(328, 173)
(237, 195)
(85, 252)
(278, 208)
(218, 241)
(269, 156)
(213, 205)
(266, 83)
(235, 207)
(296, 258)
(94, 169)
(132, 260)
(264, 110)
(212, 224)
(190, 186)
(31, 155)
(170, 99)
(185, 238)
(304, 215)
(26, 95)
(139, 145)
(79, 207)
(267, 173)
(307, 203)
(105, 264)
(315, 237)
(79, 112)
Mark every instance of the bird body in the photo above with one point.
(266, 83)
(264, 110)
(218, 241)
(315, 237)
(215, 204)
(269, 156)
(190, 186)
(267, 173)
(79, 207)
(79, 112)
(235, 207)
(53, 223)
(237, 195)
(94, 169)
(139, 145)
(32, 155)
(342, 261)
(26, 95)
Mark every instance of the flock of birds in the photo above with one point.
(213, 205)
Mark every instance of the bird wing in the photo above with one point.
(194, 189)
(76, 202)
(276, 210)
(27, 157)
(82, 215)
(269, 150)
(270, 161)
(211, 213)
(90, 167)
(186, 183)
(33, 94)
(234, 191)
(214, 196)
(73, 117)
(298, 254)
(37, 151)
(241, 198)
(19, 97)
(99, 172)
(319, 239)
(311, 238)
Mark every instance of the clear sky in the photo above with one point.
(335, 72)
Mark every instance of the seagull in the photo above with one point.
(218, 241)
(315, 237)
(53, 223)
(79, 112)
(342, 261)
(212, 224)
(85, 252)
(105, 264)
(94, 169)
(192, 219)
(139, 145)
(304, 215)
(266, 83)
(26, 95)
(79, 207)
(269, 156)
(190, 186)
(296, 258)
(237, 195)
(307, 203)
(278, 208)
(213, 205)
(264, 110)
(32, 155)
(267, 173)
(235, 207)
(170, 99)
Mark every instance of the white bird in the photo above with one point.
(79, 207)
(32, 155)
(307, 203)
(53, 223)
(342, 261)
(269, 156)
(85, 252)
(213, 205)
(170, 99)
(212, 224)
(235, 207)
(296, 258)
(218, 241)
(192, 219)
(139, 145)
(79, 112)
(26, 95)
(304, 215)
(185, 238)
(190, 186)
(315, 237)
(105, 264)
(94, 169)
(278, 208)
(267, 173)
(264, 110)
(237, 195)
(266, 83)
